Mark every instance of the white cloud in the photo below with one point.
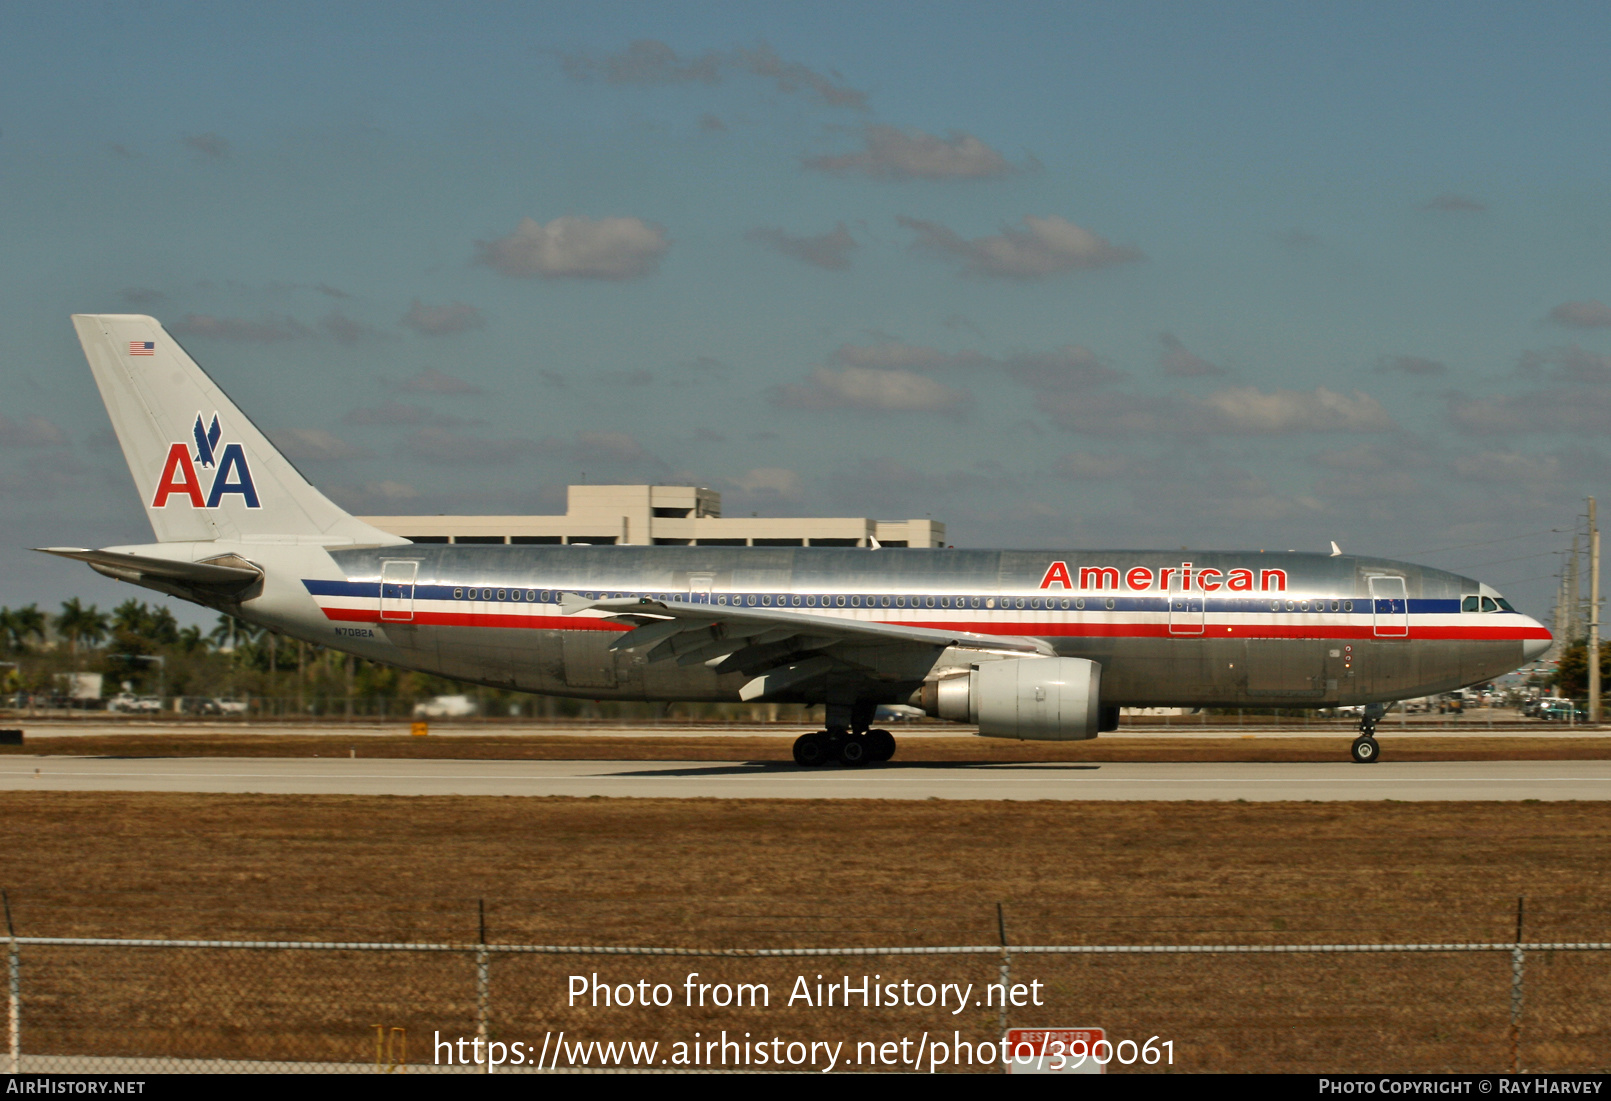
(770, 481)
(1246, 410)
(619, 447)
(316, 444)
(1234, 411)
(267, 331)
(575, 247)
(1511, 468)
(1089, 467)
(344, 328)
(649, 62)
(1553, 410)
(1411, 365)
(1571, 364)
(1178, 361)
(895, 354)
(829, 250)
(32, 431)
(1045, 246)
(1073, 367)
(456, 317)
(1456, 204)
(210, 145)
(791, 77)
(1592, 314)
(893, 154)
(432, 381)
(396, 413)
(440, 445)
(873, 390)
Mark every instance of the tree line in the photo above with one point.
(143, 646)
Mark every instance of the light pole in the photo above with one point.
(1594, 615)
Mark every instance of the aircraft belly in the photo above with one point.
(1174, 672)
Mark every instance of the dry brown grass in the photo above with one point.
(792, 873)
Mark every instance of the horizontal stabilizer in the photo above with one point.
(121, 565)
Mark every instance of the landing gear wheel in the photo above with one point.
(1365, 751)
(811, 750)
(854, 750)
(881, 745)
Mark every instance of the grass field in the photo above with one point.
(719, 873)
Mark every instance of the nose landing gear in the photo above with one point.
(1365, 751)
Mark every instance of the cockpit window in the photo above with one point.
(1469, 604)
(1504, 605)
(1488, 604)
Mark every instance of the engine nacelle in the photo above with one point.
(1036, 699)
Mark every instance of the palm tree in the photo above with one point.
(18, 625)
(225, 636)
(80, 624)
(131, 617)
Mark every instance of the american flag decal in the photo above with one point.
(142, 347)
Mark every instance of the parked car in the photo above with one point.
(129, 703)
(1561, 711)
(445, 707)
(231, 707)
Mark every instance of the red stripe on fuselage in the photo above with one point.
(481, 619)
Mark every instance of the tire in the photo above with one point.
(1365, 751)
(811, 750)
(882, 743)
(855, 750)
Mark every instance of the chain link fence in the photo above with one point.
(93, 1005)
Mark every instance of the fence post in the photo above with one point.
(1006, 967)
(483, 992)
(14, 975)
(1517, 960)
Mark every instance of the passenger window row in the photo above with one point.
(857, 600)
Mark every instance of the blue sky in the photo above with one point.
(1060, 275)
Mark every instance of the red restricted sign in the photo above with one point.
(1057, 1051)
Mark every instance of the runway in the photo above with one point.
(1408, 781)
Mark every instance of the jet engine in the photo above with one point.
(1036, 699)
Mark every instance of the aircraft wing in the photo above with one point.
(778, 648)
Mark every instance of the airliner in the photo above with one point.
(1026, 644)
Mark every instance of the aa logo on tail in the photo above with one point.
(230, 472)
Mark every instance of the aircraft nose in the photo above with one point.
(1534, 647)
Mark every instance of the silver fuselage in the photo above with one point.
(1207, 628)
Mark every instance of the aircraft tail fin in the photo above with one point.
(203, 471)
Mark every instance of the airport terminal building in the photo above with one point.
(664, 516)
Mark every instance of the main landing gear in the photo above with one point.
(823, 746)
(1365, 751)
